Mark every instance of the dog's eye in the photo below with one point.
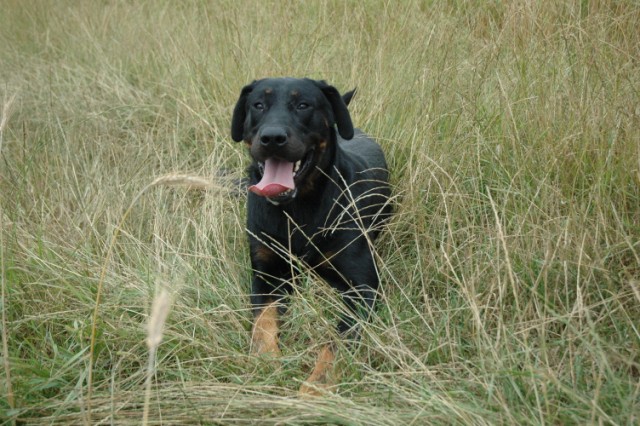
(302, 106)
(259, 106)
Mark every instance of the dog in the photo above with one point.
(318, 192)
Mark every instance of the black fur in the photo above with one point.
(341, 197)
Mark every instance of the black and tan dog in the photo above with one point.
(317, 194)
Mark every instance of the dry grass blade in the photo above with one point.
(159, 312)
(4, 119)
(3, 308)
(188, 181)
(6, 112)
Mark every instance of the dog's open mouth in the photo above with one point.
(278, 177)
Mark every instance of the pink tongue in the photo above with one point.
(277, 178)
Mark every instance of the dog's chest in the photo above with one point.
(299, 230)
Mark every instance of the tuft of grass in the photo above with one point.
(510, 270)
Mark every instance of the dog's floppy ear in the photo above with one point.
(240, 113)
(346, 97)
(340, 111)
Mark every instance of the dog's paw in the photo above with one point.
(322, 380)
(314, 389)
(265, 347)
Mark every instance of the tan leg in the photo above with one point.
(264, 336)
(322, 377)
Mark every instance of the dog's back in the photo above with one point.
(363, 147)
(370, 182)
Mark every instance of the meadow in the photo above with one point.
(510, 271)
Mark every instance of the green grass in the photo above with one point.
(511, 270)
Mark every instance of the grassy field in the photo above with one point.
(511, 269)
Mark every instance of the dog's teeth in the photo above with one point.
(297, 167)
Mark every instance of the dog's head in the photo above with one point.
(289, 126)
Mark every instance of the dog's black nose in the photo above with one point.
(273, 137)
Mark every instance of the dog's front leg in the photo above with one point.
(270, 284)
(322, 377)
(348, 274)
(264, 335)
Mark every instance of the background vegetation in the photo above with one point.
(511, 270)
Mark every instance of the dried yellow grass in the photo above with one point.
(509, 274)
(188, 181)
(6, 112)
(159, 312)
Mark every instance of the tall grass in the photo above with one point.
(511, 269)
